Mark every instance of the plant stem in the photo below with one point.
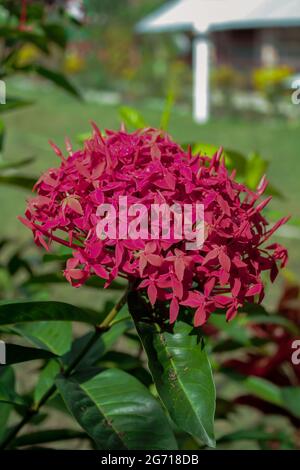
(99, 330)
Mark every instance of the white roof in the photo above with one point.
(172, 16)
(270, 13)
(206, 15)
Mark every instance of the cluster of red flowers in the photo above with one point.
(149, 168)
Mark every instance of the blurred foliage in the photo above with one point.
(29, 45)
(226, 78)
(26, 55)
(116, 57)
(270, 81)
(73, 62)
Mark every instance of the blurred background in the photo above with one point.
(210, 75)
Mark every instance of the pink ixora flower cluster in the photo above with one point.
(148, 167)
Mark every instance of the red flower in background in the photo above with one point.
(149, 168)
(270, 367)
(275, 366)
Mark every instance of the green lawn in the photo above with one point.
(57, 115)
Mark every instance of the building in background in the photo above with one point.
(243, 35)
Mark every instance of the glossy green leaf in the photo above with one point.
(10, 397)
(183, 378)
(101, 346)
(46, 379)
(117, 412)
(16, 354)
(18, 312)
(120, 360)
(56, 336)
(51, 435)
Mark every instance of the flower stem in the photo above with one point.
(99, 330)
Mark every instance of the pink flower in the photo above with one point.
(148, 256)
(149, 168)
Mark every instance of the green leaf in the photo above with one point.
(274, 320)
(132, 118)
(229, 345)
(253, 309)
(117, 412)
(7, 379)
(16, 354)
(24, 182)
(43, 437)
(6, 165)
(50, 257)
(14, 35)
(46, 379)
(10, 397)
(256, 168)
(16, 263)
(81, 138)
(167, 111)
(234, 160)
(58, 79)
(13, 104)
(101, 346)
(275, 192)
(55, 336)
(263, 389)
(287, 398)
(183, 378)
(19, 312)
(291, 399)
(253, 435)
(56, 33)
(120, 360)
(235, 330)
(204, 148)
